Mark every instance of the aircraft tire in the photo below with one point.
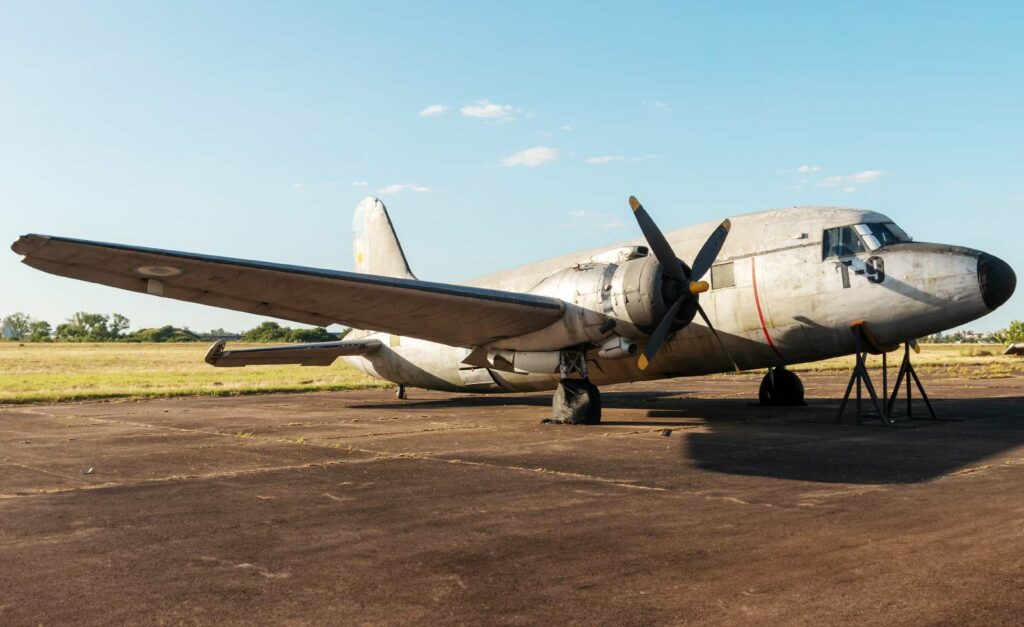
(576, 402)
(787, 391)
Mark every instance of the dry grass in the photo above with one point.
(971, 361)
(68, 372)
(32, 373)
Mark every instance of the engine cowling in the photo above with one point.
(627, 298)
(641, 293)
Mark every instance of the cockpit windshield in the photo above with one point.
(845, 241)
(877, 235)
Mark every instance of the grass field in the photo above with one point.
(972, 361)
(32, 373)
(69, 372)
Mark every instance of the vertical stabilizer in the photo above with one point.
(375, 244)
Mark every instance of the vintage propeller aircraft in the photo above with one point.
(784, 288)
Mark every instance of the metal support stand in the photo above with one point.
(861, 377)
(573, 362)
(400, 393)
(907, 372)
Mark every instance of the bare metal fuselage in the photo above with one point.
(786, 304)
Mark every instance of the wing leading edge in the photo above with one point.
(440, 312)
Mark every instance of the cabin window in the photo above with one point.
(841, 242)
(723, 275)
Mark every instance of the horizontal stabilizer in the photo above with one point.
(320, 354)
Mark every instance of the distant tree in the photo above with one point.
(18, 325)
(274, 332)
(39, 331)
(118, 325)
(267, 332)
(165, 333)
(1015, 332)
(92, 327)
(319, 334)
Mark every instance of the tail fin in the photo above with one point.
(375, 245)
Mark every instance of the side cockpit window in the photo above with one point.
(723, 275)
(842, 241)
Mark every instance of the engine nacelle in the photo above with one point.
(627, 297)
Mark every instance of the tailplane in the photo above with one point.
(375, 244)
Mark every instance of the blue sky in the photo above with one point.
(253, 129)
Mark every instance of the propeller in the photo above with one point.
(692, 283)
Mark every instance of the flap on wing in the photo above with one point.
(450, 314)
(319, 354)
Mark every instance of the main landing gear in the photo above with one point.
(576, 401)
(781, 387)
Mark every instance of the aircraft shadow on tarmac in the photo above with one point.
(805, 443)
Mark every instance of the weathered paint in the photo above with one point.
(788, 304)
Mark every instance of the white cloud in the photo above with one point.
(867, 176)
(298, 186)
(567, 127)
(434, 110)
(807, 169)
(657, 104)
(484, 108)
(610, 158)
(605, 159)
(849, 189)
(398, 188)
(611, 224)
(358, 184)
(581, 214)
(531, 157)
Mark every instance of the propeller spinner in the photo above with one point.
(691, 282)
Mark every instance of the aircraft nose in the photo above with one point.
(996, 280)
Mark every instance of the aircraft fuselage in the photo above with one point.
(783, 292)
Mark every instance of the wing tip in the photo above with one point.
(29, 243)
(213, 355)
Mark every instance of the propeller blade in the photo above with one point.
(659, 245)
(709, 252)
(703, 315)
(658, 337)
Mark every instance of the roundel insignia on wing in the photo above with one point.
(158, 271)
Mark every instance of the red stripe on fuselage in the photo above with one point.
(757, 303)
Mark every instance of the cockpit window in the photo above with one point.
(841, 242)
(900, 234)
(877, 235)
(844, 241)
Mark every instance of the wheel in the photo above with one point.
(781, 387)
(577, 402)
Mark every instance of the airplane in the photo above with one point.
(761, 290)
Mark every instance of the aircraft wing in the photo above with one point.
(450, 314)
(318, 354)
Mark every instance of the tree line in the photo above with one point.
(95, 327)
